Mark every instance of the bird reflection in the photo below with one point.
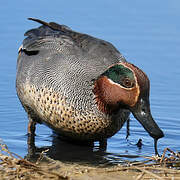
(66, 151)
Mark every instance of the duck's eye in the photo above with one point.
(127, 83)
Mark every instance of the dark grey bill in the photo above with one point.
(142, 113)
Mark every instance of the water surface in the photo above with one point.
(146, 33)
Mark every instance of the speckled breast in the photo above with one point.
(52, 109)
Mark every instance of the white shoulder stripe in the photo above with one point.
(21, 47)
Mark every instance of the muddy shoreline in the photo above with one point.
(12, 166)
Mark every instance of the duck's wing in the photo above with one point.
(91, 45)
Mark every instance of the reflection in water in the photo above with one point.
(68, 152)
(88, 153)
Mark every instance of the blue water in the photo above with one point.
(147, 33)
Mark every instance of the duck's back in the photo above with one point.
(55, 72)
(64, 60)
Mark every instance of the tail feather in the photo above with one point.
(51, 25)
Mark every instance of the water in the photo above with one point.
(146, 33)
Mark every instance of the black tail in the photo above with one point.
(51, 25)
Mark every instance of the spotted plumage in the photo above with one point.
(80, 86)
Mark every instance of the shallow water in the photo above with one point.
(146, 33)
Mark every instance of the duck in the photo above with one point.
(80, 86)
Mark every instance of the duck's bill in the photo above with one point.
(142, 113)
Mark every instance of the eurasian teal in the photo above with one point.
(80, 86)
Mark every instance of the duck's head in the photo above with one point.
(125, 86)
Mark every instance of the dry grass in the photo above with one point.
(13, 167)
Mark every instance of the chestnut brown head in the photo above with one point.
(125, 86)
